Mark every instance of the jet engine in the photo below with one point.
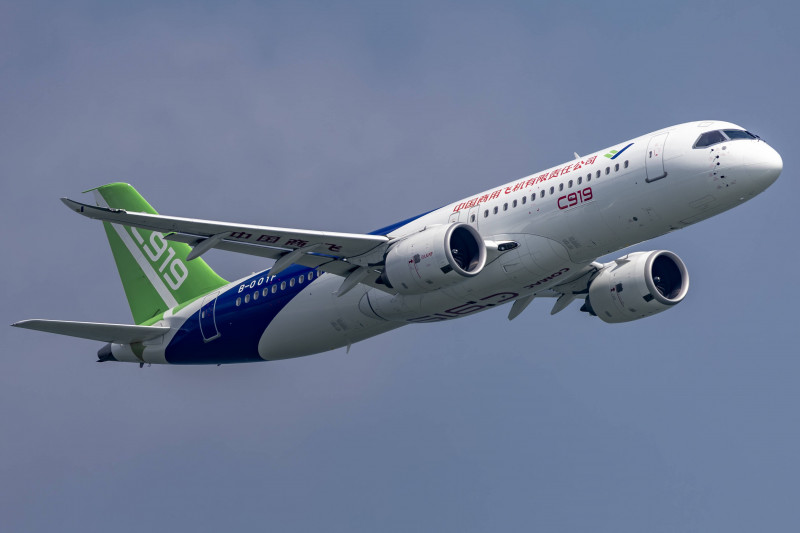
(637, 286)
(437, 257)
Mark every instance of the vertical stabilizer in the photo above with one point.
(154, 271)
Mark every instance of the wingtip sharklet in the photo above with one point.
(72, 204)
(82, 208)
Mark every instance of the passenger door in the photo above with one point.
(208, 320)
(654, 158)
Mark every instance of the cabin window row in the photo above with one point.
(552, 190)
(273, 288)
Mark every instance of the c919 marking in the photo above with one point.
(467, 308)
(177, 272)
(575, 198)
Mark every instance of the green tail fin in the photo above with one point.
(154, 271)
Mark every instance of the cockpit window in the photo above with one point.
(709, 138)
(739, 134)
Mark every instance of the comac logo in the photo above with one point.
(158, 245)
(613, 154)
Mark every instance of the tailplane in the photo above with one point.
(155, 273)
(96, 331)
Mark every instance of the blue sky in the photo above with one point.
(350, 117)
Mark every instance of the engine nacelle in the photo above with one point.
(637, 286)
(434, 258)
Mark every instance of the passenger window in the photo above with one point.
(486, 213)
(616, 167)
(580, 180)
(524, 199)
(608, 171)
(471, 219)
(310, 275)
(274, 288)
(246, 298)
(541, 193)
(265, 292)
(514, 203)
(291, 282)
(238, 302)
(495, 210)
(301, 278)
(626, 163)
(505, 207)
(552, 190)
(569, 185)
(598, 175)
(560, 186)
(255, 295)
(283, 285)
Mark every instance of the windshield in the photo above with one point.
(711, 138)
(739, 134)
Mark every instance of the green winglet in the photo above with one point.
(155, 273)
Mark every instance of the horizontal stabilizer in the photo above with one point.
(116, 333)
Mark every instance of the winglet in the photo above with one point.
(73, 205)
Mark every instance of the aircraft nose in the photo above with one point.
(764, 164)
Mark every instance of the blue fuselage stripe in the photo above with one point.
(240, 327)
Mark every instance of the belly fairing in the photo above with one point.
(537, 261)
(317, 320)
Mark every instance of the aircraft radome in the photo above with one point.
(538, 236)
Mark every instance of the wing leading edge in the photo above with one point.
(329, 251)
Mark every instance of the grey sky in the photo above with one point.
(349, 118)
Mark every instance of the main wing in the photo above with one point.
(345, 254)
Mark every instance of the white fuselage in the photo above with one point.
(563, 219)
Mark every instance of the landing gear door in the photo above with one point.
(208, 320)
(654, 158)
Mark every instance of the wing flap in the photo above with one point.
(116, 333)
(324, 262)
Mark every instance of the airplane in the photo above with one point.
(538, 236)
